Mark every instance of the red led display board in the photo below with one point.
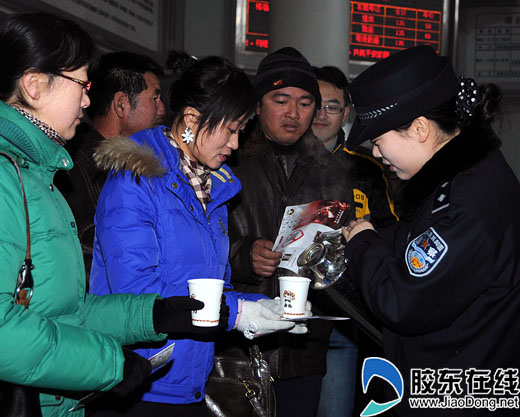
(257, 25)
(380, 28)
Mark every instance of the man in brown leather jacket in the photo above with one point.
(280, 164)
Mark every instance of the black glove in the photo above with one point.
(173, 314)
(135, 371)
(224, 314)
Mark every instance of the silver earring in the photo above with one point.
(187, 136)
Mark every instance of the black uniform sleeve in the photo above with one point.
(428, 280)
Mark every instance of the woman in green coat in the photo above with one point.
(66, 340)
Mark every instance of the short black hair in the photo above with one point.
(213, 86)
(118, 71)
(333, 75)
(40, 42)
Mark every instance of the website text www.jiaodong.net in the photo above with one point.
(468, 401)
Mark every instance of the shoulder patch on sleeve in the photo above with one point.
(425, 252)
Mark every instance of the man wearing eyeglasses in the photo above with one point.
(366, 175)
(332, 114)
(338, 385)
(125, 97)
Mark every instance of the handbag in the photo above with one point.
(241, 387)
(21, 400)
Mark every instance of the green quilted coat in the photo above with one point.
(67, 339)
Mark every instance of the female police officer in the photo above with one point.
(445, 280)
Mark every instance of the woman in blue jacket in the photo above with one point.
(162, 219)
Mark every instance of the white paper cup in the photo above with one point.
(293, 295)
(209, 291)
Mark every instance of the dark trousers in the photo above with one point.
(298, 397)
(149, 409)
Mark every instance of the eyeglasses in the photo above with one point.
(331, 109)
(85, 84)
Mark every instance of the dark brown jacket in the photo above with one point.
(257, 212)
(81, 186)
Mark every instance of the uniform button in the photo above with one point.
(65, 162)
(198, 395)
(73, 224)
(174, 185)
(191, 207)
(51, 187)
(57, 397)
(231, 180)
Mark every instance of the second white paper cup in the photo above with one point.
(209, 291)
(293, 295)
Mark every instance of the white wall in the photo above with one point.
(509, 128)
(209, 27)
(320, 33)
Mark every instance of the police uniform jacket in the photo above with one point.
(445, 281)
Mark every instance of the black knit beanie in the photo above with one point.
(286, 68)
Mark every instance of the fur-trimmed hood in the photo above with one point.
(123, 154)
(474, 144)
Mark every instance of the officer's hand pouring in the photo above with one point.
(354, 227)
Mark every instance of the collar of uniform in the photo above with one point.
(473, 145)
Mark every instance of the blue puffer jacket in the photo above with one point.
(152, 235)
